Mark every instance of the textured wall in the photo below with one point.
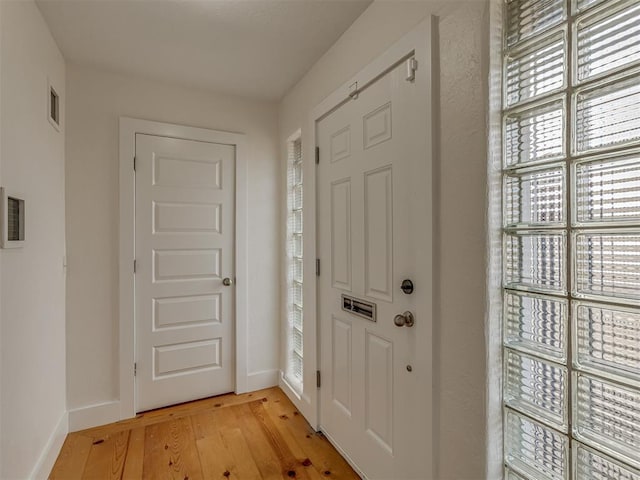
(32, 297)
(459, 340)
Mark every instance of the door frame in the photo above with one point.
(129, 127)
(421, 43)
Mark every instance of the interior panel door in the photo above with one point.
(184, 249)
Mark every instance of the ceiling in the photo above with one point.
(257, 49)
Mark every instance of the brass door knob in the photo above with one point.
(405, 319)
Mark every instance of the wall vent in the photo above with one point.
(13, 220)
(54, 107)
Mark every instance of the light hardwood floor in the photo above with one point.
(259, 435)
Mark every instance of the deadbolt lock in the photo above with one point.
(407, 286)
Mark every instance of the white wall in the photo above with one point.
(461, 169)
(32, 297)
(1, 257)
(95, 101)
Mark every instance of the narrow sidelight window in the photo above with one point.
(295, 269)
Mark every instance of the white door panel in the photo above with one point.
(184, 249)
(374, 227)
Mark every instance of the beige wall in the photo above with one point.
(32, 297)
(96, 100)
(461, 169)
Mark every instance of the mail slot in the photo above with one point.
(359, 307)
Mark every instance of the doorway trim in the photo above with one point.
(129, 127)
(421, 42)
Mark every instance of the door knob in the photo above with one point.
(227, 282)
(405, 319)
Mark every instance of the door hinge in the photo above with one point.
(412, 66)
(135, 369)
(318, 379)
(317, 155)
(135, 265)
(134, 164)
(317, 267)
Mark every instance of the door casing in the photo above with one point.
(129, 127)
(421, 43)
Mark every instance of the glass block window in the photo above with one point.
(293, 370)
(571, 239)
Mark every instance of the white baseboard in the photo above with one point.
(94, 415)
(51, 450)
(260, 380)
(108, 412)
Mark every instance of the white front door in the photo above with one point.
(374, 204)
(184, 244)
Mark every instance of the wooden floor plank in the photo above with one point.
(268, 461)
(216, 460)
(244, 462)
(257, 436)
(171, 452)
(177, 411)
(72, 458)
(226, 455)
(211, 422)
(296, 438)
(294, 466)
(318, 449)
(107, 456)
(133, 465)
